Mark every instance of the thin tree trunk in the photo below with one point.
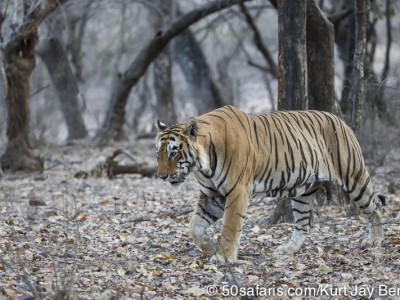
(292, 76)
(18, 155)
(76, 30)
(112, 126)
(162, 68)
(320, 60)
(19, 58)
(346, 45)
(362, 13)
(190, 57)
(145, 95)
(388, 13)
(52, 53)
(283, 212)
(292, 73)
(373, 97)
(381, 105)
(163, 87)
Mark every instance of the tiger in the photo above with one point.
(235, 156)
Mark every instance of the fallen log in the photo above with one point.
(112, 168)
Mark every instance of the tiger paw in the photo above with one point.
(371, 242)
(219, 258)
(208, 246)
(289, 248)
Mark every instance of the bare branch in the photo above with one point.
(112, 126)
(339, 15)
(258, 66)
(162, 37)
(31, 22)
(385, 71)
(259, 42)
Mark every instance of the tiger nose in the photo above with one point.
(163, 177)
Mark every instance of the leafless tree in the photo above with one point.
(162, 68)
(272, 67)
(292, 59)
(344, 38)
(306, 58)
(292, 74)
(75, 31)
(113, 123)
(320, 60)
(362, 8)
(54, 57)
(19, 62)
(190, 57)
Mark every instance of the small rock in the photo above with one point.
(39, 177)
(36, 202)
(49, 213)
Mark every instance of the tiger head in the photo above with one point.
(174, 149)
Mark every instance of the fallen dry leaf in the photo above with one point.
(129, 238)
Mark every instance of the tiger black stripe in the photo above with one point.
(218, 204)
(222, 171)
(368, 203)
(301, 212)
(303, 219)
(204, 218)
(299, 201)
(256, 134)
(362, 191)
(237, 117)
(239, 178)
(208, 214)
(225, 174)
(288, 153)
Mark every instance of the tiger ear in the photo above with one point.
(191, 128)
(161, 126)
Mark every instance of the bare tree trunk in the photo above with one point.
(388, 12)
(112, 126)
(115, 118)
(362, 13)
(381, 105)
(190, 57)
(292, 73)
(19, 57)
(345, 102)
(76, 30)
(320, 60)
(52, 53)
(345, 30)
(145, 95)
(283, 212)
(162, 68)
(163, 87)
(373, 92)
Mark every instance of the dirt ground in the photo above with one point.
(68, 238)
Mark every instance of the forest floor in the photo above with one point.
(67, 238)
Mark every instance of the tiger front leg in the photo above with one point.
(207, 212)
(235, 213)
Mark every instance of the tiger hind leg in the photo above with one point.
(370, 205)
(207, 212)
(302, 210)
